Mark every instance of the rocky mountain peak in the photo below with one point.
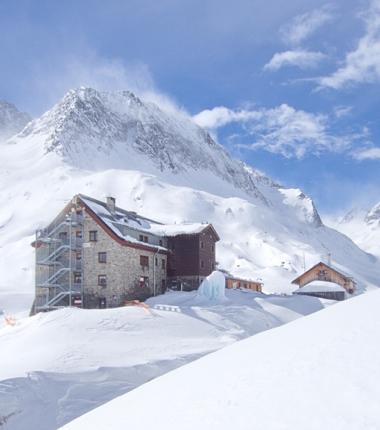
(95, 130)
(373, 215)
(12, 120)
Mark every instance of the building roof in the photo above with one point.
(336, 270)
(120, 218)
(235, 278)
(320, 287)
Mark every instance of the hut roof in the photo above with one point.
(319, 287)
(336, 270)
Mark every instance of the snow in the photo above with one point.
(213, 287)
(318, 372)
(12, 120)
(123, 218)
(363, 226)
(320, 286)
(171, 230)
(78, 359)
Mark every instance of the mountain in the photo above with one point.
(363, 226)
(11, 120)
(162, 165)
(302, 375)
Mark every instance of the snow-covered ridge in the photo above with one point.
(11, 120)
(363, 226)
(89, 128)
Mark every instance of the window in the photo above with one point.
(144, 261)
(77, 277)
(160, 242)
(322, 275)
(102, 280)
(163, 263)
(156, 261)
(78, 255)
(141, 238)
(212, 248)
(146, 239)
(78, 234)
(202, 245)
(102, 257)
(62, 235)
(144, 281)
(93, 236)
(202, 264)
(163, 285)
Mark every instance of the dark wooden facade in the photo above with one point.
(191, 258)
(330, 295)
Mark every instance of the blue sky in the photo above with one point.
(290, 87)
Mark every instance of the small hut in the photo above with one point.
(234, 282)
(324, 280)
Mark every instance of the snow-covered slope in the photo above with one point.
(11, 120)
(363, 226)
(75, 360)
(319, 372)
(165, 167)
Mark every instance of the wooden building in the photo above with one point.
(325, 280)
(191, 255)
(234, 282)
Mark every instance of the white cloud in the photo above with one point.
(104, 74)
(281, 130)
(220, 116)
(362, 64)
(303, 26)
(342, 111)
(367, 154)
(299, 58)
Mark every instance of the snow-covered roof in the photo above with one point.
(171, 230)
(120, 219)
(319, 287)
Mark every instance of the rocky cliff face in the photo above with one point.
(100, 130)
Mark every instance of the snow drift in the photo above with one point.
(320, 372)
(76, 360)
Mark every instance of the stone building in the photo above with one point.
(96, 255)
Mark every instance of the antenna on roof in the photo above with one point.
(329, 259)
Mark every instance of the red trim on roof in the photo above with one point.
(115, 237)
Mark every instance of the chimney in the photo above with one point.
(111, 204)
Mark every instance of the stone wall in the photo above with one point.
(123, 270)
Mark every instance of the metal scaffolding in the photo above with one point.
(59, 272)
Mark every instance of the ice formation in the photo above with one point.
(213, 287)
